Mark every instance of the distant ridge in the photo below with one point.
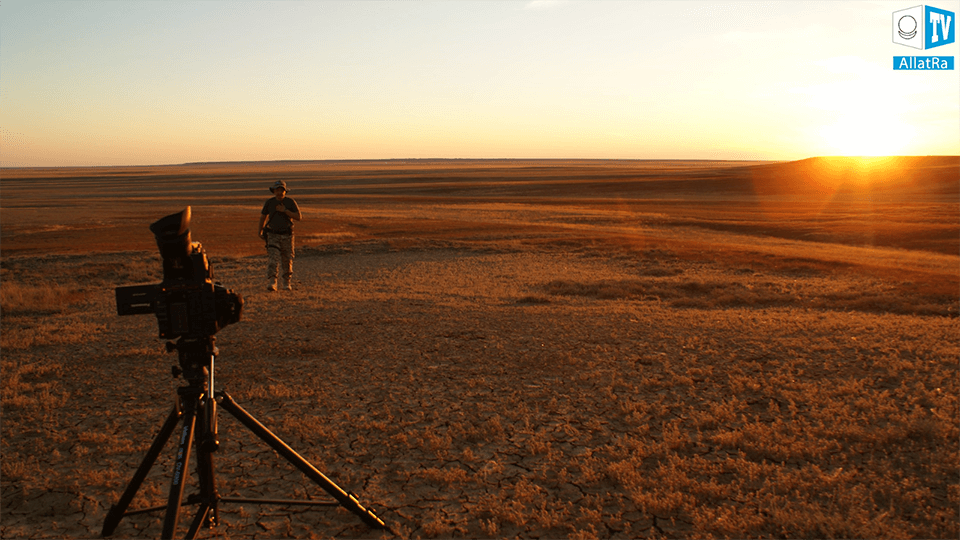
(931, 175)
(456, 160)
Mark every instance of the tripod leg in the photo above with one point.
(118, 510)
(198, 521)
(179, 473)
(208, 513)
(345, 499)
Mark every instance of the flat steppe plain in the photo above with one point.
(513, 348)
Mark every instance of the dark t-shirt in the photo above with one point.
(278, 222)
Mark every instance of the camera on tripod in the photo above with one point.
(187, 303)
(191, 307)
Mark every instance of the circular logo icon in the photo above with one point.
(907, 27)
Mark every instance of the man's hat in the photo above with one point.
(279, 184)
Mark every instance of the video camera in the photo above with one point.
(187, 303)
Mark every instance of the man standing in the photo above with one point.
(276, 228)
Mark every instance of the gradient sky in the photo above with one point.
(167, 82)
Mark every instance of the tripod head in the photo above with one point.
(196, 358)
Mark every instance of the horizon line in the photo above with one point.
(359, 160)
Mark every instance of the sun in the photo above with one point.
(867, 136)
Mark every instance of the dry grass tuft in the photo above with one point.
(20, 299)
(733, 290)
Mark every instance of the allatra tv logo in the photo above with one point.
(924, 27)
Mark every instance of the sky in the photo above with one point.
(86, 83)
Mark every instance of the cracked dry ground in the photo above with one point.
(455, 392)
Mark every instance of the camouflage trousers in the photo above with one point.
(279, 257)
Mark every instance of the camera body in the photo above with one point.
(187, 303)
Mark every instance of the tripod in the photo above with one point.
(197, 407)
